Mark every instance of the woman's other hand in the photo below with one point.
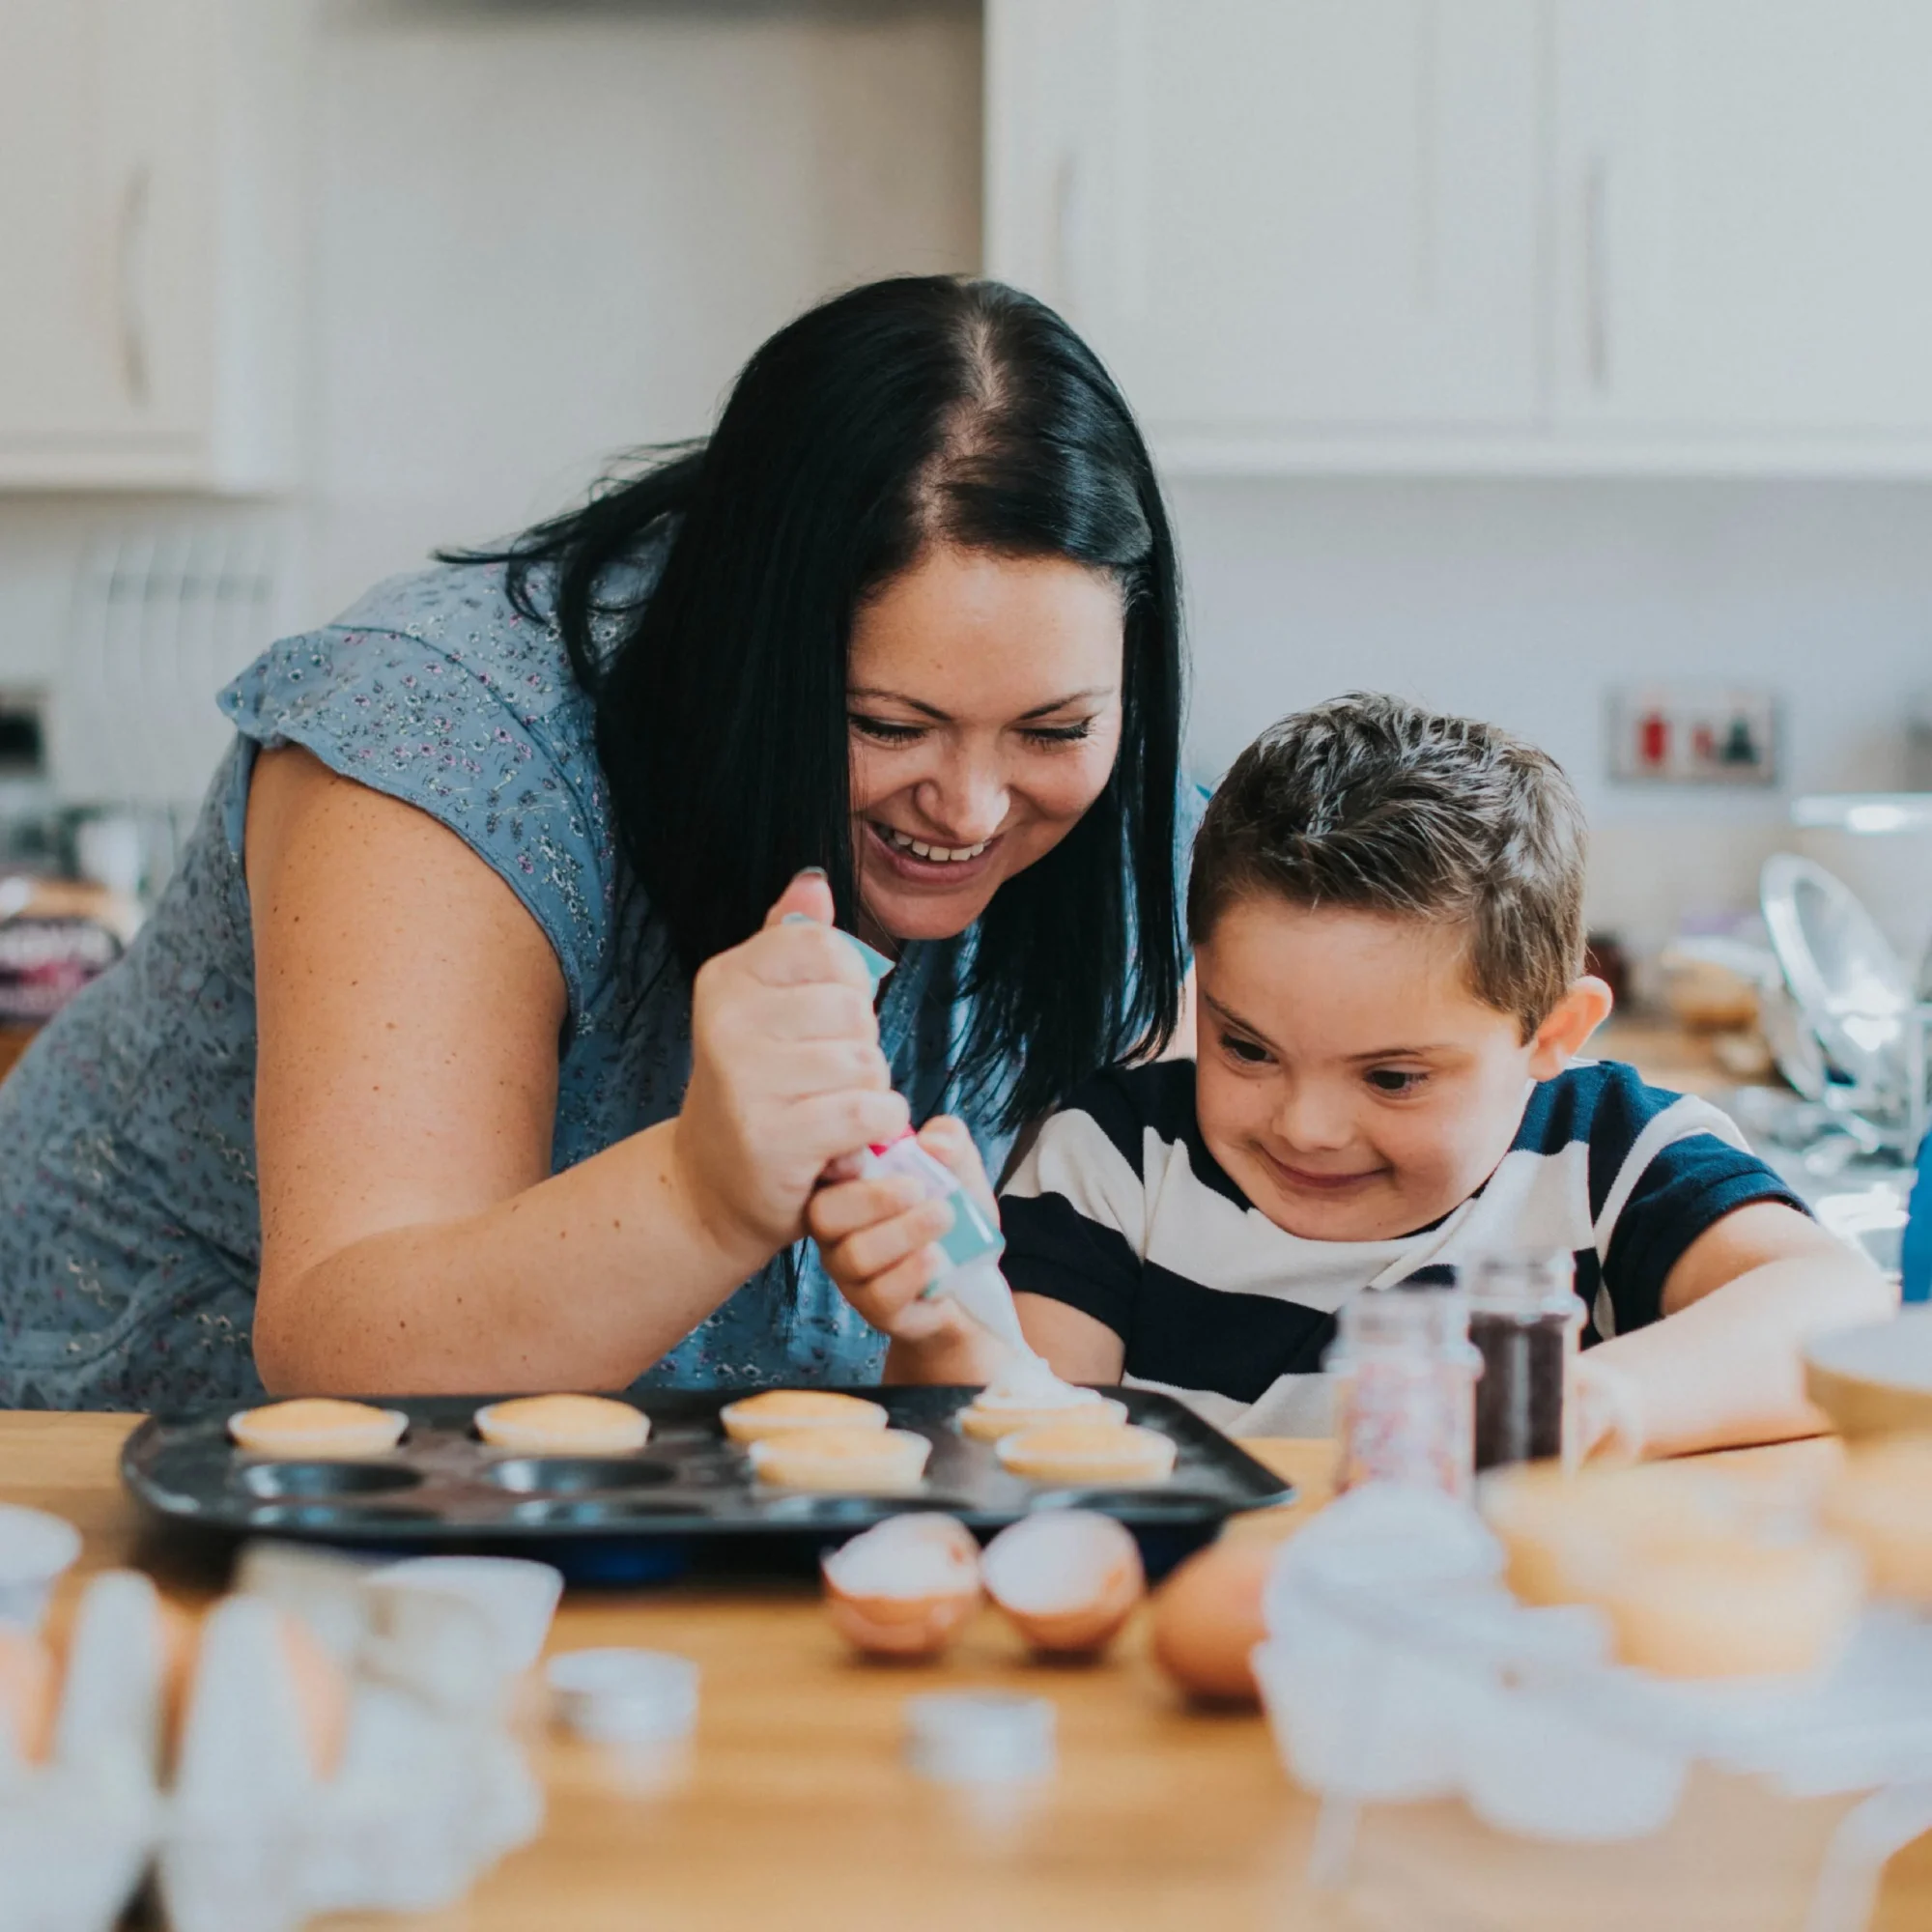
(875, 1237)
(786, 1075)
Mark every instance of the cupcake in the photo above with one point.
(568, 1424)
(871, 1461)
(1563, 1534)
(1735, 1608)
(317, 1426)
(1880, 1503)
(1088, 1452)
(1028, 1394)
(779, 1410)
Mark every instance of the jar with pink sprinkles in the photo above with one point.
(1405, 1375)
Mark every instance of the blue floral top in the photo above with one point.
(130, 1230)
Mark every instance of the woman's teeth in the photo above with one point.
(938, 855)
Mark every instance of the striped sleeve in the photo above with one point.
(1663, 1169)
(1074, 1211)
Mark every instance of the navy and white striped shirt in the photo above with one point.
(1119, 1211)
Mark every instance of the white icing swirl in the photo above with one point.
(1026, 1383)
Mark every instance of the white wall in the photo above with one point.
(1524, 602)
(551, 232)
(546, 232)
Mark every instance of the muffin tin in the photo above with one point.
(443, 1486)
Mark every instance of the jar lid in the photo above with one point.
(1524, 1283)
(625, 1697)
(1409, 1315)
(35, 1547)
(980, 1737)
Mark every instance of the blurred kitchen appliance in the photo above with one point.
(1918, 741)
(161, 619)
(1898, 872)
(1916, 1249)
(1854, 998)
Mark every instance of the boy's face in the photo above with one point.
(1349, 1081)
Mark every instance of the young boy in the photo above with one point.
(1386, 912)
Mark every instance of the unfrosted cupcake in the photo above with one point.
(870, 1462)
(777, 1411)
(1088, 1452)
(317, 1426)
(569, 1425)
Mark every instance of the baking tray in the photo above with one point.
(443, 1488)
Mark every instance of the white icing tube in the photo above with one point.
(983, 1292)
(972, 1246)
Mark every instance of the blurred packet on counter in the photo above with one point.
(56, 935)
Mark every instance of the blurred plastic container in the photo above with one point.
(517, 1597)
(35, 1550)
(1397, 1671)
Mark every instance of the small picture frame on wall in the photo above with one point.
(1693, 734)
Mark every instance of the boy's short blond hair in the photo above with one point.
(1375, 805)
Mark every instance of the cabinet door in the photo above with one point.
(105, 219)
(1743, 215)
(1278, 216)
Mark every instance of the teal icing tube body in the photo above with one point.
(971, 1247)
(876, 962)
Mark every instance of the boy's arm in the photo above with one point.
(1724, 1367)
(1078, 1348)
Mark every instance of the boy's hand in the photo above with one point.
(1609, 1419)
(876, 1238)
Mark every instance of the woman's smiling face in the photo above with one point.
(984, 709)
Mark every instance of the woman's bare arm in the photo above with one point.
(410, 1013)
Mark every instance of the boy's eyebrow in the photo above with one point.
(1233, 1018)
(940, 717)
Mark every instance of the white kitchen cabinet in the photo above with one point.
(1482, 235)
(150, 242)
(1744, 217)
(1291, 219)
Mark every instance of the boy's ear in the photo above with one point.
(1574, 1019)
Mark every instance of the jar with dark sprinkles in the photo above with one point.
(1524, 1318)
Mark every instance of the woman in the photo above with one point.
(472, 1047)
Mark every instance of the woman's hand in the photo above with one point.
(786, 1076)
(875, 1237)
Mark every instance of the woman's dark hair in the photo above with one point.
(919, 411)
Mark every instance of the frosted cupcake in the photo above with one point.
(1027, 1394)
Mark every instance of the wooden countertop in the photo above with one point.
(1668, 1054)
(795, 1810)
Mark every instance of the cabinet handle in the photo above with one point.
(130, 313)
(1597, 271)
